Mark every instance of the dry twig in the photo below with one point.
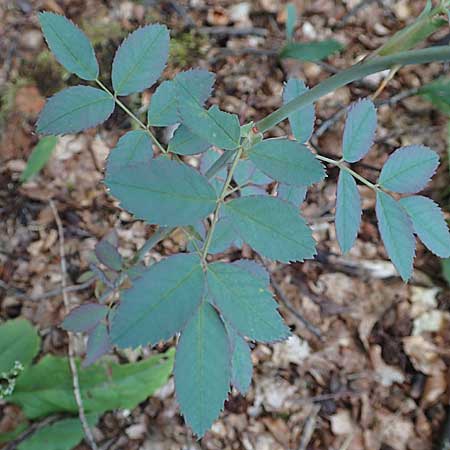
(73, 367)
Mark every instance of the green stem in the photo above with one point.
(342, 166)
(133, 116)
(220, 200)
(427, 55)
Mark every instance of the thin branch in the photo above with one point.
(73, 366)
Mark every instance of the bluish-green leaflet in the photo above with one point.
(163, 105)
(98, 344)
(246, 172)
(241, 361)
(310, 51)
(140, 59)
(84, 317)
(159, 303)
(293, 194)
(39, 157)
(348, 211)
(359, 131)
(409, 169)
(428, 223)
(164, 192)
(245, 302)
(202, 369)
(62, 435)
(19, 341)
(302, 121)
(272, 227)
(213, 125)
(197, 82)
(291, 20)
(287, 161)
(70, 45)
(108, 255)
(134, 147)
(224, 236)
(184, 142)
(74, 109)
(397, 233)
(46, 387)
(209, 158)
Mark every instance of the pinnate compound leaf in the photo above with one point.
(133, 148)
(397, 233)
(302, 120)
(272, 227)
(140, 59)
(409, 169)
(163, 106)
(311, 51)
(359, 131)
(292, 194)
(39, 157)
(348, 211)
(98, 344)
(70, 45)
(287, 161)
(84, 317)
(62, 435)
(75, 109)
(159, 303)
(19, 341)
(245, 302)
(164, 192)
(202, 369)
(241, 361)
(46, 387)
(184, 142)
(428, 223)
(213, 125)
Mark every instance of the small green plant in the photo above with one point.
(46, 387)
(216, 307)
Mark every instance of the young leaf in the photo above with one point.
(98, 344)
(272, 227)
(46, 387)
(133, 148)
(241, 362)
(39, 157)
(311, 51)
(428, 223)
(213, 125)
(19, 341)
(302, 120)
(244, 302)
(163, 106)
(293, 194)
(438, 93)
(247, 172)
(74, 109)
(70, 45)
(409, 169)
(184, 142)
(140, 59)
(291, 20)
(108, 255)
(164, 192)
(64, 434)
(84, 317)
(224, 236)
(202, 369)
(397, 233)
(348, 211)
(287, 161)
(359, 131)
(159, 303)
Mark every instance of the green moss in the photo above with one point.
(186, 48)
(7, 98)
(101, 32)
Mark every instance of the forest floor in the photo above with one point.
(377, 376)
